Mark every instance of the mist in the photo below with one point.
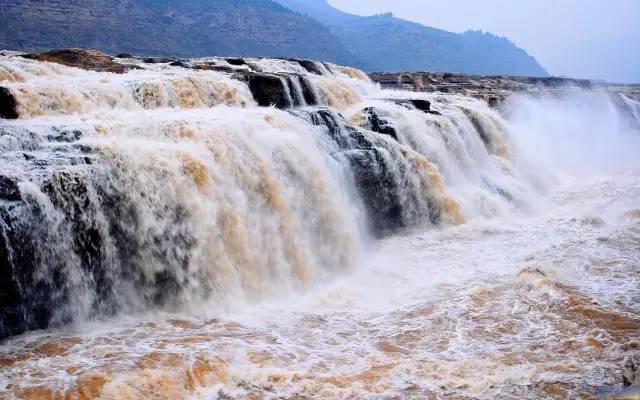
(574, 134)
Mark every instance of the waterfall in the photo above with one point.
(633, 106)
(200, 185)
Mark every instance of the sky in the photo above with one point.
(595, 39)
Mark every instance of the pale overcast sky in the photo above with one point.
(598, 39)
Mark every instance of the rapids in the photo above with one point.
(174, 236)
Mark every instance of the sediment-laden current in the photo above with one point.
(251, 228)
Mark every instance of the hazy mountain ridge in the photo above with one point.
(387, 43)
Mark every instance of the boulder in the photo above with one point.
(92, 60)
(181, 63)
(419, 104)
(269, 90)
(235, 61)
(8, 104)
(422, 105)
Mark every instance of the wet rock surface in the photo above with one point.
(269, 90)
(92, 60)
(378, 123)
(8, 104)
(9, 189)
(381, 172)
(492, 89)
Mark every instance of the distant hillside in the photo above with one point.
(386, 43)
(168, 27)
(288, 28)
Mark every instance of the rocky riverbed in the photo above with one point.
(494, 89)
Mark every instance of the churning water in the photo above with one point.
(178, 241)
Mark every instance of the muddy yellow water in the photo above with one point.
(541, 306)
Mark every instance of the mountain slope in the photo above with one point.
(320, 10)
(286, 28)
(168, 27)
(386, 43)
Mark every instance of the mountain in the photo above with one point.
(186, 28)
(386, 43)
(320, 10)
(284, 28)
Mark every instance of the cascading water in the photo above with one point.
(182, 190)
(130, 196)
(633, 106)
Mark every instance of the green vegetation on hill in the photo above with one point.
(186, 28)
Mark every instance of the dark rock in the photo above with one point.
(300, 90)
(236, 61)
(11, 313)
(64, 135)
(346, 137)
(328, 67)
(375, 122)
(308, 92)
(310, 66)
(162, 60)
(93, 60)
(377, 188)
(92, 208)
(493, 101)
(25, 303)
(269, 90)
(124, 55)
(422, 105)
(208, 66)
(9, 189)
(181, 63)
(486, 139)
(8, 104)
(383, 177)
(419, 104)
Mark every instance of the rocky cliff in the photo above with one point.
(161, 27)
(494, 89)
(295, 28)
